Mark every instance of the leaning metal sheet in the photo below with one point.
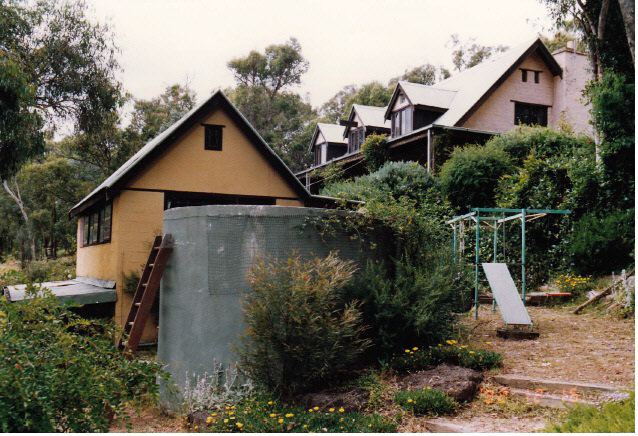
(504, 291)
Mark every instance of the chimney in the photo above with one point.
(570, 45)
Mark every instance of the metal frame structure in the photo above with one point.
(498, 217)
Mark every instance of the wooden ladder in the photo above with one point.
(145, 294)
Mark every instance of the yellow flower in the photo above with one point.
(440, 345)
(409, 400)
(225, 421)
(270, 403)
(272, 415)
(239, 424)
(341, 410)
(281, 420)
(471, 352)
(315, 408)
(331, 410)
(305, 426)
(488, 343)
(289, 415)
(309, 410)
(407, 351)
(208, 420)
(415, 348)
(463, 346)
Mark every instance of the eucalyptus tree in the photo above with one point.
(57, 67)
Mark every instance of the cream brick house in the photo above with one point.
(525, 85)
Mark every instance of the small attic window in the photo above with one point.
(524, 76)
(213, 137)
(402, 98)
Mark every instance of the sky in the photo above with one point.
(346, 41)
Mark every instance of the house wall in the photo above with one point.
(497, 112)
(239, 169)
(398, 105)
(569, 105)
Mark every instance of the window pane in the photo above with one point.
(106, 223)
(100, 236)
(85, 236)
(94, 228)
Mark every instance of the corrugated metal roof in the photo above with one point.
(372, 115)
(459, 93)
(425, 95)
(332, 132)
(470, 85)
(75, 291)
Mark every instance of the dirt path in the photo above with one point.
(582, 348)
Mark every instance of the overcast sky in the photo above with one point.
(345, 41)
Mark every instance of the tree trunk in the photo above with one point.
(628, 11)
(18, 199)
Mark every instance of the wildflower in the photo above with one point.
(281, 420)
(225, 421)
(270, 403)
(305, 426)
(463, 346)
(239, 425)
(213, 414)
(407, 351)
(440, 345)
(310, 410)
(315, 408)
(208, 420)
(196, 427)
(341, 410)
(488, 343)
(409, 400)
(331, 410)
(415, 348)
(289, 415)
(471, 352)
(272, 415)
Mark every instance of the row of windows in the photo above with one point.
(524, 73)
(96, 227)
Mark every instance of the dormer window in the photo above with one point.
(355, 139)
(402, 122)
(213, 137)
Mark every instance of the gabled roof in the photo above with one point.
(372, 116)
(422, 95)
(153, 148)
(332, 133)
(474, 85)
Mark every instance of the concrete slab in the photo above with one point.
(555, 386)
(548, 400)
(440, 426)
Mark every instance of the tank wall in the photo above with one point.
(205, 281)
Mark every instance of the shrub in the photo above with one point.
(470, 177)
(299, 332)
(573, 284)
(611, 418)
(392, 180)
(262, 414)
(60, 372)
(602, 245)
(415, 359)
(415, 302)
(428, 402)
(375, 151)
(541, 141)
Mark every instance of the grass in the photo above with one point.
(611, 418)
